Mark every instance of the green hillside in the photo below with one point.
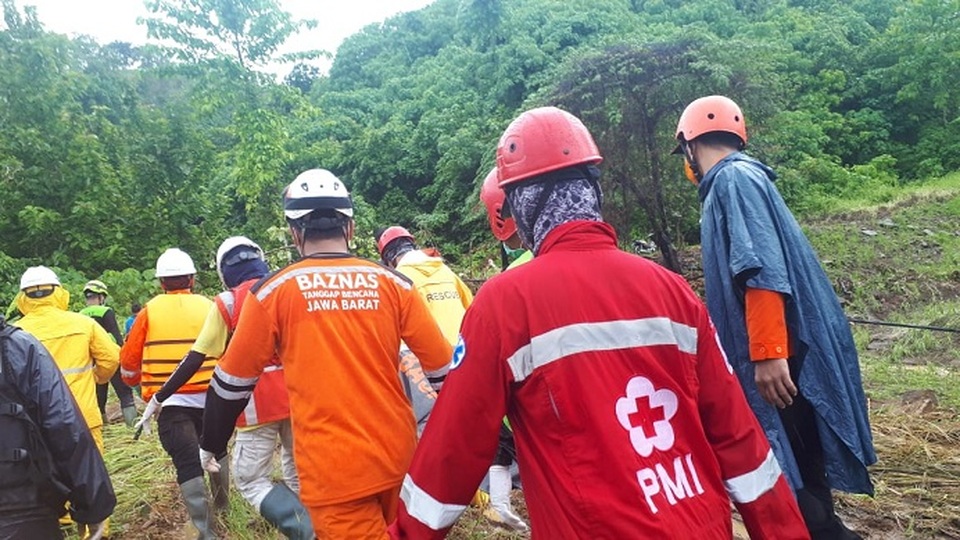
(896, 262)
(112, 152)
(900, 262)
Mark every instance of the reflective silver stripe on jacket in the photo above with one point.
(750, 486)
(76, 370)
(228, 302)
(245, 383)
(427, 510)
(600, 336)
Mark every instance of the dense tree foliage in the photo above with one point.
(110, 153)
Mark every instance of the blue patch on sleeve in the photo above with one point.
(459, 351)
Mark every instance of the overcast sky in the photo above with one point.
(116, 20)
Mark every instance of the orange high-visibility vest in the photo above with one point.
(174, 322)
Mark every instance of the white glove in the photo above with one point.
(146, 418)
(208, 461)
(91, 531)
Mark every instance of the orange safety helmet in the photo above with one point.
(493, 198)
(543, 140)
(391, 234)
(708, 114)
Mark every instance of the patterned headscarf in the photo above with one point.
(396, 248)
(571, 194)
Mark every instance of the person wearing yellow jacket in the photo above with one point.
(447, 296)
(83, 350)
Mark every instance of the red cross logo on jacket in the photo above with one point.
(645, 413)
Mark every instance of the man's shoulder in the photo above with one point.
(59, 322)
(744, 171)
(73, 317)
(188, 297)
(11, 331)
(163, 303)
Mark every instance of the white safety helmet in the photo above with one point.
(38, 275)
(175, 262)
(316, 189)
(228, 245)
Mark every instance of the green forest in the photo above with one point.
(112, 152)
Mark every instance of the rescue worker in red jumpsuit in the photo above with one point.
(629, 422)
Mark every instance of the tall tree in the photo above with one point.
(629, 97)
(248, 31)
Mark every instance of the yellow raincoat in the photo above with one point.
(82, 349)
(446, 295)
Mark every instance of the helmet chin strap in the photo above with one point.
(347, 239)
(694, 166)
(298, 238)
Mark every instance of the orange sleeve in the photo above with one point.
(766, 325)
(420, 332)
(131, 354)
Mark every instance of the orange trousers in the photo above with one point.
(361, 519)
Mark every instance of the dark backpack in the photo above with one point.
(27, 474)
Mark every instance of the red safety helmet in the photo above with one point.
(391, 234)
(493, 198)
(708, 114)
(543, 140)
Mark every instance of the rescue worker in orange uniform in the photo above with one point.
(336, 322)
(160, 337)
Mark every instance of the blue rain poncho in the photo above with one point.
(750, 239)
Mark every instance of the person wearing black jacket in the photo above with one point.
(48, 454)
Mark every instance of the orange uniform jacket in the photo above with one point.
(336, 322)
